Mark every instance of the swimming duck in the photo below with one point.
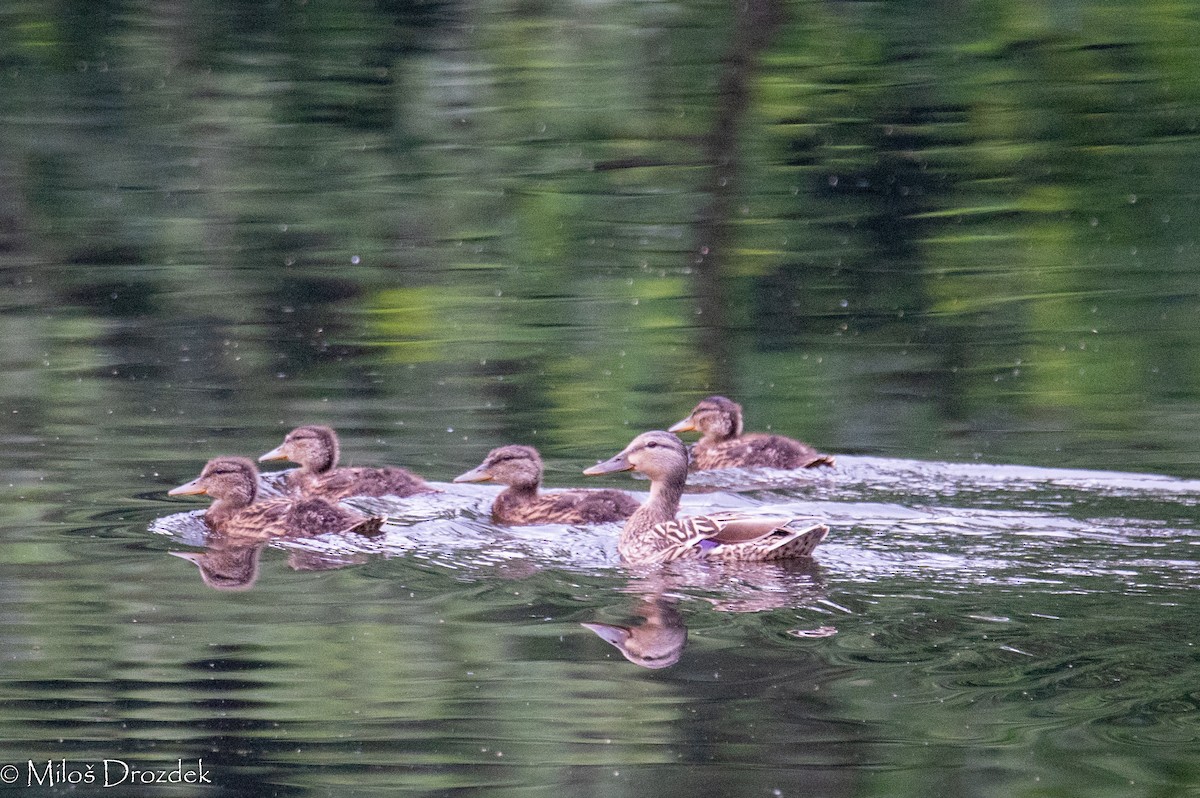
(520, 468)
(236, 510)
(653, 534)
(722, 444)
(315, 449)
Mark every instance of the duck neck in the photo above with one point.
(714, 438)
(711, 437)
(726, 428)
(225, 507)
(324, 463)
(221, 511)
(662, 505)
(515, 495)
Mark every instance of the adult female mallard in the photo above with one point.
(315, 449)
(653, 534)
(236, 511)
(520, 468)
(723, 445)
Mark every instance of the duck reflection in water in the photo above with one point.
(657, 641)
(226, 564)
(657, 634)
(231, 563)
(240, 524)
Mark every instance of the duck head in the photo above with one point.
(312, 447)
(656, 454)
(232, 480)
(516, 466)
(715, 416)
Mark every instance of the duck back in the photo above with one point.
(757, 450)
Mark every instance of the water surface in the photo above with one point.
(955, 247)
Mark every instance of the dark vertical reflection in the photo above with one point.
(755, 22)
(14, 214)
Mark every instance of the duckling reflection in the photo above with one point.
(656, 642)
(227, 563)
(231, 562)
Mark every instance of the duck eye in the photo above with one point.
(652, 445)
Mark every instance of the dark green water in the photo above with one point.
(955, 246)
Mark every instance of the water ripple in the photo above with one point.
(953, 527)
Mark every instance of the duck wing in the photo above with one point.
(317, 516)
(760, 450)
(600, 506)
(733, 528)
(387, 481)
(731, 536)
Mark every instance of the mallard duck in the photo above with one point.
(653, 534)
(315, 449)
(236, 511)
(723, 445)
(520, 468)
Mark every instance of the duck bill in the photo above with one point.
(687, 425)
(477, 474)
(616, 463)
(616, 635)
(189, 488)
(275, 454)
(194, 557)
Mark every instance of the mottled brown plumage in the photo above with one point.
(236, 511)
(724, 445)
(520, 468)
(653, 534)
(315, 449)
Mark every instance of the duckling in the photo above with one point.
(520, 468)
(654, 535)
(315, 449)
(236, 512)
(722, 444)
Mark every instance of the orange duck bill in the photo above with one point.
(687, 425)
(194, 487)
(275, 454)
(479, 473)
